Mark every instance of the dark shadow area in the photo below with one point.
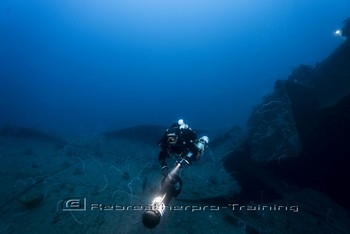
(143, 133)
(299, 135)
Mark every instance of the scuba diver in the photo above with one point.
(179, 139)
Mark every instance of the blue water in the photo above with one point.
(93, 66)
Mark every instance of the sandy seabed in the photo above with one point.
(109, 182)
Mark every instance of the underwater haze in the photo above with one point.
(93, 66)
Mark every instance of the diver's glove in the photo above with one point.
(184, 162)
(165, 170)
(187, 159)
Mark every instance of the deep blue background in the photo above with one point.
(92, 66)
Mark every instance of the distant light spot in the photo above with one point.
(338, 32)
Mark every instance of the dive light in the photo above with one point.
(171, 186)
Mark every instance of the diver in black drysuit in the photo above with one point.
(181, 140)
